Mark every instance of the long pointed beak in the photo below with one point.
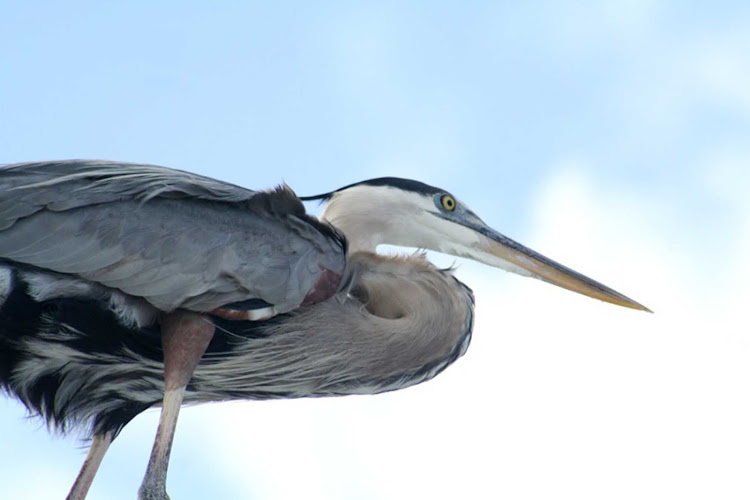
(493, 245)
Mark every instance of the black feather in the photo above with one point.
(395, 182)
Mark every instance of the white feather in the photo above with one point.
(6, 283)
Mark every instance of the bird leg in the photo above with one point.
(98, 448)
(185, 336)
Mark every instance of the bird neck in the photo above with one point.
(369, 217)
(359, 219)
(401, 323)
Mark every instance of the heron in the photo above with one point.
(128, 286)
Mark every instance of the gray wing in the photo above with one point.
(176, 239)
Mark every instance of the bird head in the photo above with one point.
(404, 212)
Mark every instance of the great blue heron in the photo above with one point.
(126, 286)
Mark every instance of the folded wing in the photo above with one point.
(176, 239)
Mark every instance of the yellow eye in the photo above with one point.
(448, 202)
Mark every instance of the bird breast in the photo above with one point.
(400, 322)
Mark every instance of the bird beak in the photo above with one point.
(497, 250)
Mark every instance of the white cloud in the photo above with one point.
(722, 70)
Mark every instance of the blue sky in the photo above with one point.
(611, 136)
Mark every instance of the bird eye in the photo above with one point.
(448, 202)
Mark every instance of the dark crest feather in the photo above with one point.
(395, 182)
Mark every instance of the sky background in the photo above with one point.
(613, 137)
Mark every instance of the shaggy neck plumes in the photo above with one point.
(402, 322)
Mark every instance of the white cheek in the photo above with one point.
(418, 229)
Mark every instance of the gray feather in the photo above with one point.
(177, 239)
(402, 323)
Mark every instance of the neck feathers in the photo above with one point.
(400, 323)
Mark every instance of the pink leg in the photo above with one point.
(99, 446)
(185, 337)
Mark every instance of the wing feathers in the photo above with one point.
(174, 238)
